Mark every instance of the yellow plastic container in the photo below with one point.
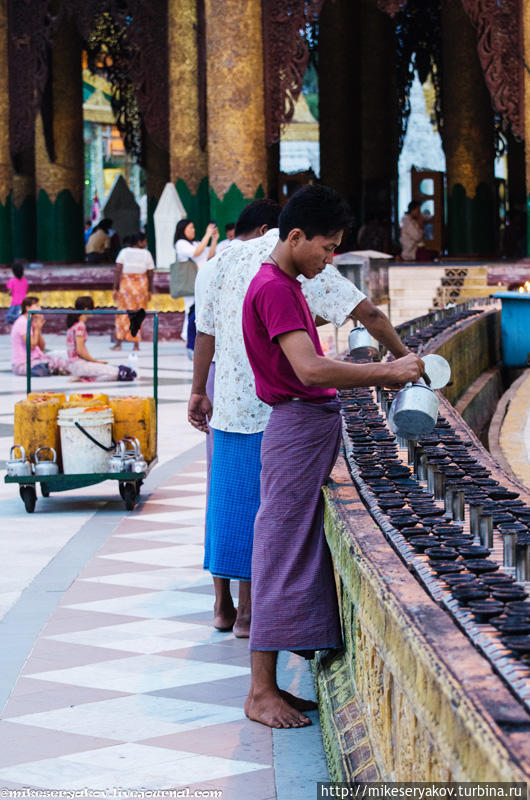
(82, 403)
(135, 416)
(47, 396)
(90, 396)
(36, 424)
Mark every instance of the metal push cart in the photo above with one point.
(129, 483)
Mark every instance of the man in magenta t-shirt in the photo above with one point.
(294, 603)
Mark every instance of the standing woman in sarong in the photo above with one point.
(133, 283)
(294, 600)
(186, 247)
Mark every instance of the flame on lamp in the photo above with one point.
(525, 288)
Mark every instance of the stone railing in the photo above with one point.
(424, 689)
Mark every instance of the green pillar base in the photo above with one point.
(472, 222)
(23, 228)
(6, 250)
(230, 207)
(197, 205)
(60, 228)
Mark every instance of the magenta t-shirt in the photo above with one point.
(18, 288)
(275, 304)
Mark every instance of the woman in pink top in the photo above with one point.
(42, 363)
(80, 362)
(17, 286)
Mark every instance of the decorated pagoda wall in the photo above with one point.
(201, 89)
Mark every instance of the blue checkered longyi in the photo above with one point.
(233, 503)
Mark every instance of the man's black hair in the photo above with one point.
(317, 210)
(259, 212)
(412, 205)
(18, 269)
(230, 226)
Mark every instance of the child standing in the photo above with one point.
(17, 286)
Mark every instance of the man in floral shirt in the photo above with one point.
(239, 417)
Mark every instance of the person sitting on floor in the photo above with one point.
(42, 364)
(80, 362)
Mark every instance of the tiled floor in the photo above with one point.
(118, 679)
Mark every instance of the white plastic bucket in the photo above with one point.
(80, 454)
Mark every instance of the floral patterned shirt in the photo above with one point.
(236, 407)
(77, 329)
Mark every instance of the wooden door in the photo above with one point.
(428, 189)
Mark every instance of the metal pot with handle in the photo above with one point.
(414, 411)
(49, 466)
(138, 464)
(18, 466)
(359, 339)
(116, 461)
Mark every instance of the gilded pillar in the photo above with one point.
(237, 155)
(340, 99)
(379, 114)
(59, 153)
(188, 162)
(468, 138)
(6, 172)
(525, 10)
(157, 175)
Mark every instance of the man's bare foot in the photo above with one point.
(224, 618)
(136, 346)
(298, 702)
(242, 627)
(117, 346)
(272, 710)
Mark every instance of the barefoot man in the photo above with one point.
(294, 603)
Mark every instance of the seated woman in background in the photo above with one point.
(80, 362)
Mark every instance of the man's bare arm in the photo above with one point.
(199, 406)
(380, 327)
(314, 370)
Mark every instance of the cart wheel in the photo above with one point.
(44, 490)
(122, 490)
(129, 496)
(138, 488)
(29, 497)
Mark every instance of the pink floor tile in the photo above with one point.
(258, 785)
(242, 741)
(121, 544)
(66, 620)
(86, 592)
(100, 567)
(159, 508)
(21, 743)
(137, 525)
(60, 696)
(71, 656)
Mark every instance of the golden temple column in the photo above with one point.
(188, 162)
(6, 171)
(379, 114)
(468, 138)
(525, 11)
(237, 156)
(59, 155)
(340, 100)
